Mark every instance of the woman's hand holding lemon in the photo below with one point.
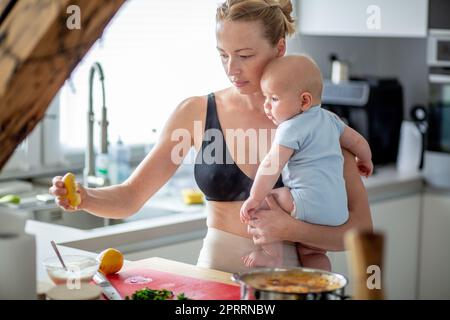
(70, 196)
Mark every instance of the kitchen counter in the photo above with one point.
(155, 263)
(148, 233)
(190, 224)
(390, 183)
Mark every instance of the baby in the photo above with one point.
(307, 148)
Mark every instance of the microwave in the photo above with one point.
(438, 53)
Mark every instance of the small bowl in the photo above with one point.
(82, 268)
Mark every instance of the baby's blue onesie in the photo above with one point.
(314, 173)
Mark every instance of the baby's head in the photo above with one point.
(291, 85)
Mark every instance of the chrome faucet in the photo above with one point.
(89, 174)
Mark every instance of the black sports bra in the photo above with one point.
(215, 172)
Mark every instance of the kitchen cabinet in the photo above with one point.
(384, 18)
(434, 282)
(399, 220)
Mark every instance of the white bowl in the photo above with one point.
(82, 268)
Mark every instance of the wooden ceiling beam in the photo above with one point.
(37, 54)
(4, 4)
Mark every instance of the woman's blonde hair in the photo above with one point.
(275, 15)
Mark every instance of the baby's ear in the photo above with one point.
(305, 101)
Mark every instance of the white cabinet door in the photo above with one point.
(383, 18)
(435, 253)
(399, 220)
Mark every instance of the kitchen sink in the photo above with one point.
(85, 221)
(37, 204)
(148, 212)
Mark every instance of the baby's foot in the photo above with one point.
(261, 259)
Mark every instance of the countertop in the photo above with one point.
(388, 182)
(190, 224)
(154, 263)
(150, 233)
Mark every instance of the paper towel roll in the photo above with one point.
(17, 258)
(410, 148)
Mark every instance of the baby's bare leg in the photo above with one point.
(309, 257)
(313, 258)
(283, 197)
(271, 255)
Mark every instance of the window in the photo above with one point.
(40, 151)
(154, 55)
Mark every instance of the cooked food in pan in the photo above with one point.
(295, 282)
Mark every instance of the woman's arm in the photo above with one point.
(123, 200)
(276, 225)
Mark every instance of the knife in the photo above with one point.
(108, 290)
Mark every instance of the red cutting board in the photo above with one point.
(130, 280)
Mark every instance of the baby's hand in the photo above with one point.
(247, 208)
(365, 168)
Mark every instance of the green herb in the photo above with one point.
(181, 296)
(150, 294)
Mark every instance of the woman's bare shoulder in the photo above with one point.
(186, 115)
(191, 114)
(193, 107)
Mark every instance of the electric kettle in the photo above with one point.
(339, 69)
(412, 141)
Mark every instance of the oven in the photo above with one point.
(437, 155)
(438, 54)
(439, 112)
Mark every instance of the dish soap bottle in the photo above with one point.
(120, 165)
(102, 167)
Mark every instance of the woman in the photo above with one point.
(250, 33)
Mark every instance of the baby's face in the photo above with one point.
(280, 104)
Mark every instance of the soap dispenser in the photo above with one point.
(120, 164)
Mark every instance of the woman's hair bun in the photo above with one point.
(286, 7)
(275, 15)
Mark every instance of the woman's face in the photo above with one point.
(245, 52)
